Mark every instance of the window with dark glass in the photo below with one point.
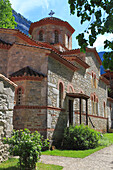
(41, 36)
(56, 36)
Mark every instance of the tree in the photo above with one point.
(6, 16)
(100, 15)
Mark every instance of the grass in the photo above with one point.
(105, 141)
(11, 164)
(72, 153)
(109, 136)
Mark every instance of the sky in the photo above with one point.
(34, 10)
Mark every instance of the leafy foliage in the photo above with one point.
(80, 138)
(27, 146)
(100, 15)
(6, 17)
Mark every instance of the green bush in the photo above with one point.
(80, 138)
(27, 146)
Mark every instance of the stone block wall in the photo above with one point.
(48, 34)
(32, 118)
(7, 89)
(11, 36)
(96, 122)
(109, 110)
(75, 82)
(3, 61)
(27, 56)
(31, 113)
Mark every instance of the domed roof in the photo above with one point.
(51, 20)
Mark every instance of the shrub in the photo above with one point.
(80, 138)
(27, 146)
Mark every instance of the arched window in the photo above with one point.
(56, 36)
(104, 103)
(60, 95)
(92, 104)
(41, 36)
(95, 82)
(97, 112)
(92, 75)
(19, 96)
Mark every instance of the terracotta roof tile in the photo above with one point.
(51, 20)
(27, 71)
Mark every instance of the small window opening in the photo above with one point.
(56, 36)
(19, 96)
(41, 36)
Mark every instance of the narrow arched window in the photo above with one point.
(97, 106)
(60, 95)
(95, 82)
(56, 36)
(19, 96)
(41, 36)
(92, 104)
(104, 103)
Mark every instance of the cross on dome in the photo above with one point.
(51, 13)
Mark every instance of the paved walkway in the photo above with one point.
(100, 160)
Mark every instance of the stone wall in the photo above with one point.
(110, 111)
(11, 36)
(32, 118)
(75, 82)
(27, 56)
(3, 61)
(32, 111)
(6, 113)
(48, 34)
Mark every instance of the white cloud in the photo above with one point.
(23, 6)
(99, 43)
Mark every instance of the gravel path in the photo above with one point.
(100, 160)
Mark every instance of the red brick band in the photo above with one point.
(39, 107)
(92, 115)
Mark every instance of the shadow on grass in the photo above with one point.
(10, 168)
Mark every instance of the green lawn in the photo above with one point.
(109, 136)
(106, 141)
(11, 164)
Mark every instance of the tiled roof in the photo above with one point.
(51, 20)
(4, 42)
(6, 79)
(26, 71)
(76, 51)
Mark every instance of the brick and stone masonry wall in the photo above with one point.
(31, 113)
(3, 61)
(80, 80)
(110, 116)
(27, 56)
(48, 34)
(7, 89)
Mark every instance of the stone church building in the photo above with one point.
(57, 86)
